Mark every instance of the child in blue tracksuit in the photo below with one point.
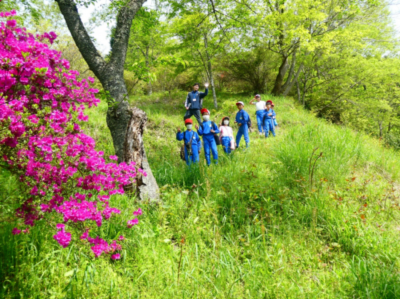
(269, 120)
(207, 130)
(187, 136)
(242, 119)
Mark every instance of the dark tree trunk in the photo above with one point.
(277, 90)
(291, 71)
(210, 72)
(298, 91)
(122, 120)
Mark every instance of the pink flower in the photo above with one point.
(116, 256)
(137, 212)
(114, 158)
(85, 235)
(121, 238)
(60, 226)
(132, 222)
(63, 238)
(16, 231)
(11, 23)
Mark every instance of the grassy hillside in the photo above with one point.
(251, 227)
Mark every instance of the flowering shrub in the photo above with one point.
(42, 103)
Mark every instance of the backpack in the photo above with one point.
(216, 137)
(188, 147)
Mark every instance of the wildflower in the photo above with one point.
(116, 256)
(16, 231)
(132, 222)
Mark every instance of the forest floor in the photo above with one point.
(257, 225)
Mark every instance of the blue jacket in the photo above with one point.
(205, 129)
(268, 112)
(195, 99)
(242, 117)
(186, 136)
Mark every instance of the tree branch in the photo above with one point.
(122, 31)
(82, 39)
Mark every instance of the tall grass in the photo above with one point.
(250, 227)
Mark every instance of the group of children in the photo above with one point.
(214, 135)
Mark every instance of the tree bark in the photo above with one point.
(277, 90)
(298, 91)
(149, 86)
(121, 119)
(210, 72)
(291, 71)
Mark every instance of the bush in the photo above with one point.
(42, 104)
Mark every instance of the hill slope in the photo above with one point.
(251, 227)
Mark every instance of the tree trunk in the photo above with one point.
(213, 86)
(277, 90)
(380, 129)
(291, 71)
(121, 119)
(149, 86)
(210, 72)
(298, 91)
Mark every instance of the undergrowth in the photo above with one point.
(272, 221)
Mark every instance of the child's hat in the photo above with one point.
(204, 110)
(188, 121)
(225, 117)
(270, 102)
(257, 96)
(239, 103)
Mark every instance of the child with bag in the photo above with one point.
(243, 120)
(191, 148)
(269, 120)
(226, 136)
(274, 117)
(209, 131)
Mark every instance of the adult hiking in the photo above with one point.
(194, 102)
(192, 143)
(208, 129)
(260, 111)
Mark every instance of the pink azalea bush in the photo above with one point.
(42, 104)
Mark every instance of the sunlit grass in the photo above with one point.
(250, 227)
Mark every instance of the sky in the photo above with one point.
(101, 33)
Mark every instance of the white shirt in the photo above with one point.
(259, 105)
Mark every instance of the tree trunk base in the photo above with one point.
(131, 121)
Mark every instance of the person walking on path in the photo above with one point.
(269, 120)
(191, 141)
(242, 119)
(207, 129)
(194, 102)
(226, 136)
(260, 110)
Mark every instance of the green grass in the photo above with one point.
(253, 226)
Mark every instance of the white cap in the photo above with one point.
(241, 103)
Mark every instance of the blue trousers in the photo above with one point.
(226, 144)
(269, 126)
(210, 145)
(260, 116)
(243, 131)
(194, 158)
